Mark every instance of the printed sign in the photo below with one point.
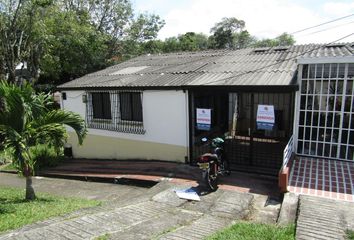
(265, 117)
(203, 119)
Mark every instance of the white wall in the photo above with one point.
(165, 117)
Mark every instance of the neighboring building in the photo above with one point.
(145, 108)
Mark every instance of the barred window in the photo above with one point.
(119, 111)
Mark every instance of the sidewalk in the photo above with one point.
(154, 213)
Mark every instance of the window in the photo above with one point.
(130, 106)
(114, 110)
(101, 105)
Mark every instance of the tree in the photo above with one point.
(224, 32)
(73, 47)
(284, 39)
(26, 121)
(20, 23)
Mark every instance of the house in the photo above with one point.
(160, 106)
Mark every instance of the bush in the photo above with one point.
(45, 156)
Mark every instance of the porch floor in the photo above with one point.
(322, 177)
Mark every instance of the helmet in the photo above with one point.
(217, 142)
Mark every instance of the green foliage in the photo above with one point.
(224, 32)
(350, 235)
(255, 231)
(45, 156)
(27, 121)
(284, 39)
(16, 212)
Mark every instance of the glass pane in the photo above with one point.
(337, 120)
(348, 104)
(342, 151)
(302, 117)
(346, 118)
(333, 70)
(304, 86)
(319, 70)
(321, 134)
(334, 151)
(349, 87)
(327, 150)
(341, 71)
(350, 154)
(344, 136)
(351, 70)
(301, 133)
(326, 71)
(351, 138)
(305, 71)
(322, 120)
(312, 70)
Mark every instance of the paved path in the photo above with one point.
(321, 218)
(155, 213)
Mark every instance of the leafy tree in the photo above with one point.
(26, 121)
(73, 48)
(224, 32)
(192, 41)
(284, 39)
(20, 34)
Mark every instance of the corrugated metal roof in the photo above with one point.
(244, 67)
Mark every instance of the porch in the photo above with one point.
(322, 177)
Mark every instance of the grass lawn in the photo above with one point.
(16, 212)
(255, 231)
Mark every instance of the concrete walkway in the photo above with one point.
(322, 218)
(154, 213)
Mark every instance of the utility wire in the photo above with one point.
(321, 24)
(286, 59)
(311, 33)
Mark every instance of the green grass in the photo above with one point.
(350, 235)
(16, 212)
(255, 231)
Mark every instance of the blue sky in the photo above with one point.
(264, 18)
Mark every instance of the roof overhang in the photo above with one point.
(241, 88)
(313, 60)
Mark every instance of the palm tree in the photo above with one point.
(27, 120)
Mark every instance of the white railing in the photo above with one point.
(288, 151)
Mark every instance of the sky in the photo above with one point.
(264, 18)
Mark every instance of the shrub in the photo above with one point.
(45, 156)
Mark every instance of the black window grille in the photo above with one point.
(101, 105)
(130, 106)
(119, 111)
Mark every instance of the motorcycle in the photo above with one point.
(213, 164)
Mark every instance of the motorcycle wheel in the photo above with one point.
(211, 178)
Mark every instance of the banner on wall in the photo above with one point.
(265, 117)
(203, 119)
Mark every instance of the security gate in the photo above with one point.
(247, 148)
(326, 116)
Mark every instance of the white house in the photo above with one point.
(145, 108)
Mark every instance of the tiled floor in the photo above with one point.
(322, 177)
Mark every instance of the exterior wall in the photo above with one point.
(165, 118)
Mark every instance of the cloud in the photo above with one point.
(264, 19)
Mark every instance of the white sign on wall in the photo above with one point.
(265, 117)
(203, 119)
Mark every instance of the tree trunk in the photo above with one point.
(30, 195)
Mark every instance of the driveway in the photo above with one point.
(131, 212)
